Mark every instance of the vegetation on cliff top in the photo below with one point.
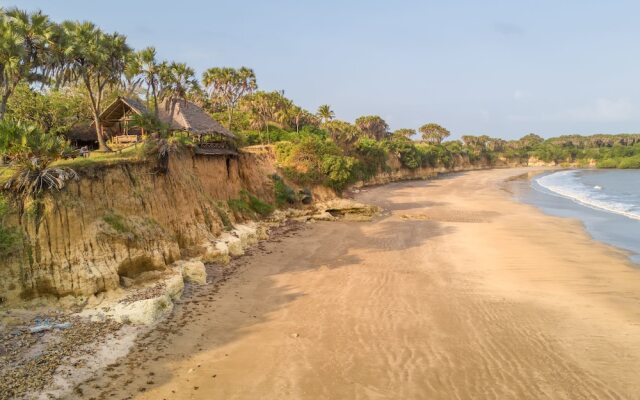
(57, 76)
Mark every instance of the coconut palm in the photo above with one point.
(325, 113)
(229, 85)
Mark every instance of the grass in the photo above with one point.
(117, 222)
(249, 205)
(129, 154)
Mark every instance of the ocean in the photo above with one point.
(606, 201)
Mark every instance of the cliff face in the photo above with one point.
(120, 221)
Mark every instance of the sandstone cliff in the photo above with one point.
(117, 222)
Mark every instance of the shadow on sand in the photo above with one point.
(309, 247)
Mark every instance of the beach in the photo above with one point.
(457, 291)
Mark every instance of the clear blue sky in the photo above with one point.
(502, 68)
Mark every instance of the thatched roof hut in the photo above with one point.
(119, 109)
(81, 133)
(183, 115)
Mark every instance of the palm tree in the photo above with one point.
(325, 113)
(176, 80)
(149, 68)
(229, 85)
(433, 133)
(96, 59)
(25, 40)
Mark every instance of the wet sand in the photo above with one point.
(456, 292)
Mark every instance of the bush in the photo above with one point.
(607, 163)
(339, 171)
(372, 156)
(249, 205)
(284, 194)
(630, 163)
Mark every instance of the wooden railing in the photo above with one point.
(216, 148)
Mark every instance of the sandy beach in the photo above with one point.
(456, 292)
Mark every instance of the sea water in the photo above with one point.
(606, 201)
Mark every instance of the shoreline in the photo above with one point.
(602, 225)
(457, 291)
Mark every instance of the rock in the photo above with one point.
(147, 276)
(347, 209)
(217, 252)
(174, 286)
(194, 271)
(246, 234)
(142, 312)
(323, 216)
(234, 244)
(126, 282)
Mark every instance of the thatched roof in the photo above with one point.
(118, 108)
(183, 115)
(82, 131)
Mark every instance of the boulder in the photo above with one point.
(174, 286)
(234, 244)
(216, 252)
(142, 312)
(194, 271)
(347, 209)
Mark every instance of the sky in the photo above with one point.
(500, 68)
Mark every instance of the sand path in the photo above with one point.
(457, 292)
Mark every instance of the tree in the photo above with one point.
(229, 85)
(405, 133)
(433, 133)
(373, 126)
(341, 132)
(529, 141)
(145, 64)
(325, 113)
(177, 80)
(266, 107)
(54, 111)
(96, 59)
(25, 40)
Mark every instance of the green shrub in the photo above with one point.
(339, 171)
(249, 205)
(372, 156)
(629, 162)
(117, 222)
(284, 194)
(607, 163)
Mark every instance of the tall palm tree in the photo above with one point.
(229, 85)
(25, 41)
(149, 67)
(325, 113)
(176, 80)
(97, 60)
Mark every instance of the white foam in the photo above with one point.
(567, 184)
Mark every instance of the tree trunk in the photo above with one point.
(95, 108)
(230, 110)
(3, 106)
(155, 100)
